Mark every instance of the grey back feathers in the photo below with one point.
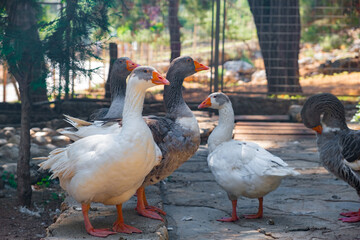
(326, 105)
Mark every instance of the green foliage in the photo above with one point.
(44, 182)
(9, 178)
(356, 117)
(73, 37)
(327, 22)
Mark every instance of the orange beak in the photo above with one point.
(158, 79)
(130, 65)
(199, 67)
(318, 129)
(206, 103)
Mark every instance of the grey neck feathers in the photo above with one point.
(173, 99)
(118, 84)
(223, 131)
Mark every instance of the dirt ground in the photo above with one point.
(29, 223)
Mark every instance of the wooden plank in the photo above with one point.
(274, 131)
(273, 137)
(264, 118)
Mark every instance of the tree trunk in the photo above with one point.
(25, 58)
(113, 56)
(174, 29)
(278, 28)
(23, 168)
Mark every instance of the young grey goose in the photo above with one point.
(339, 146)
(240, 168)
(121, 69)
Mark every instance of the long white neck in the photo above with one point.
(133, 107)
(223, 131)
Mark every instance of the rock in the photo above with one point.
(10, 151)
(14, 139)
(41, 140)
(10, 129)
(49, 131)
(10, 168)
(60, 140)
(3, 141)
(35, 129)
(294, 113)
(32, 132)
(258, 76)
(8, 134)
(305, 61)
(50, 146)
(38, 151)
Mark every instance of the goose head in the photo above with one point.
(145, 77)
(215, 100)
(323, 111)
(121, 69)
(185, 66)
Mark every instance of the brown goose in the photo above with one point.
(339, 146)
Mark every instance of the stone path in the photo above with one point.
(303, 207)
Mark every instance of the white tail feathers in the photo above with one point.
(76, 122)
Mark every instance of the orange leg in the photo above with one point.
(120, 226)
(152, 208)
(233, 217)
(259, 213)
(89, 228)
(142, 203)
(351, 216)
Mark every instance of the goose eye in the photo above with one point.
(120, 61)
(145, 71)
(188, 60)
(215, 96)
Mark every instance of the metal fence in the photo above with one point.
(266, 60)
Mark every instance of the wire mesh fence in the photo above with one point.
(293, 47)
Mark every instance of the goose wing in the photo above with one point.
(349, 143)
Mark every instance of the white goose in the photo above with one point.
(240, 168)
(110, 168)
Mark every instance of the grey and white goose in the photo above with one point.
(121, 69)
(240, 168)
(177, 134)
(339, 146)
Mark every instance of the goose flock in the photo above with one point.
(120, 152)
